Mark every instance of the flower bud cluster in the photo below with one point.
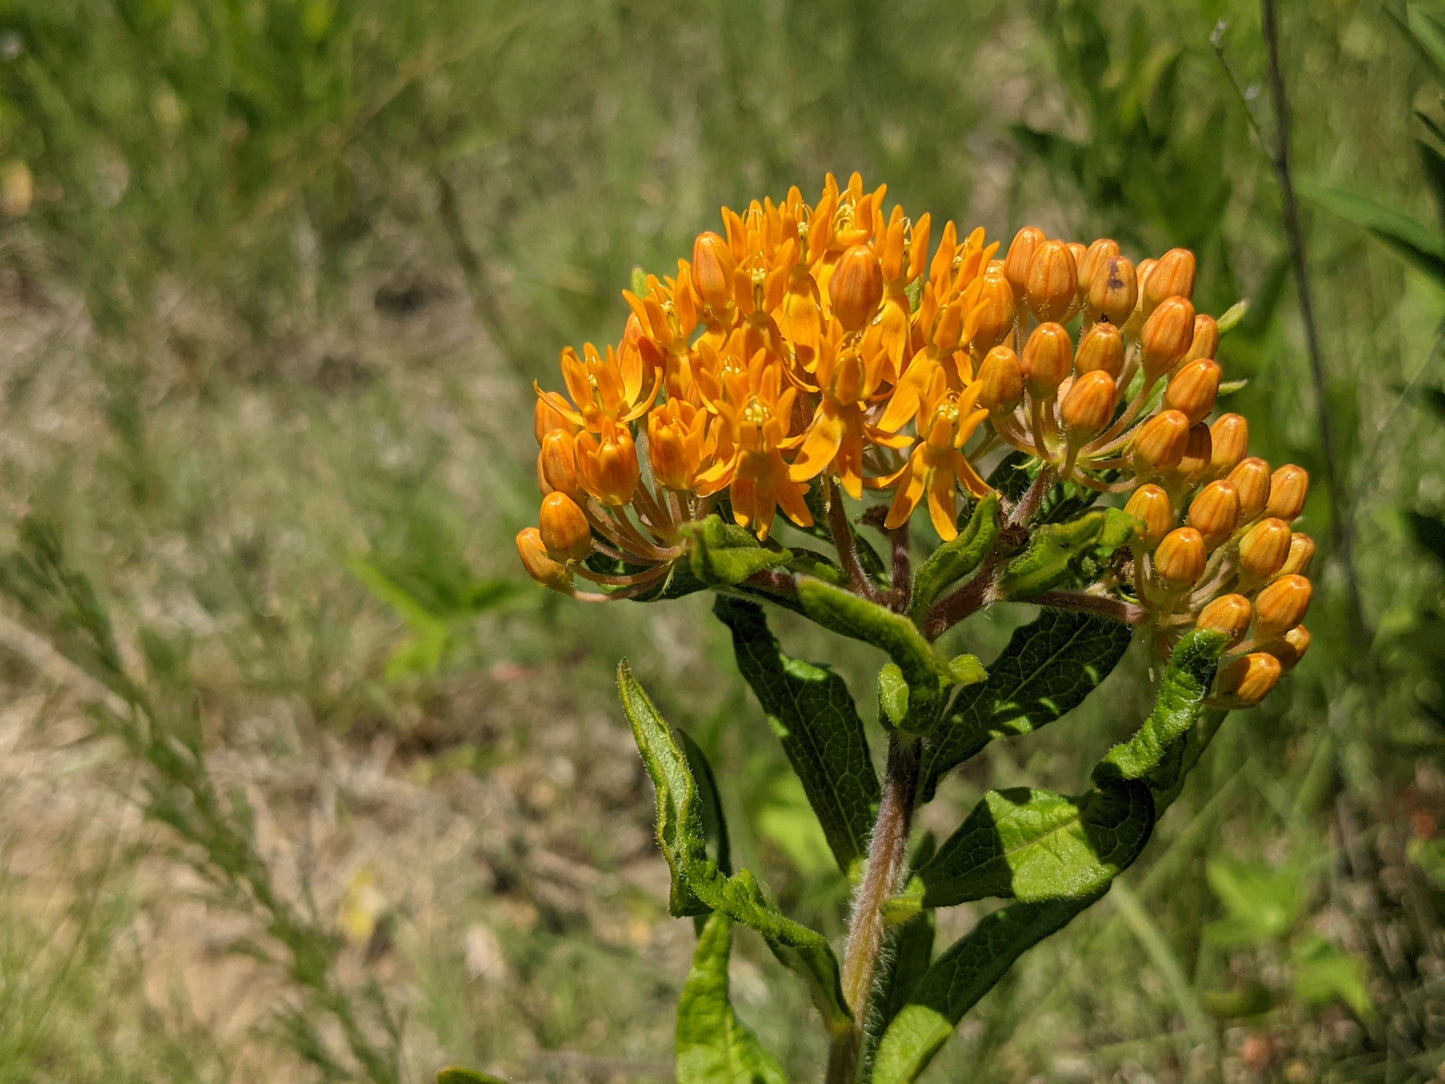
(824, 344)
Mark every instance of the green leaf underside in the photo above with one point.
(1149, 767)
(954, 560)
(958, 978)
(1036, 845)
(926, 674)
(713, 1046)
(1058, 551)
(1048, 667)
(810, 709)
(697, 884)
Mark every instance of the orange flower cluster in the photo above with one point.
(823, 344)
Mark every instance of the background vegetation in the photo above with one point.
(332, 794)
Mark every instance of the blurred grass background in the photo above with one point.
(275, 277)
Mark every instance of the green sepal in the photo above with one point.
(724, 553)
(809, 707)
(1035, 845)
(712, 1045)
(892, 696)
(1047, 669)
(958, 978)
(954, 560)
(698, 885)
(925, 672)
(1157, 753)
(1060, 552)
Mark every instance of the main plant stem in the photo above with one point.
(887, 856)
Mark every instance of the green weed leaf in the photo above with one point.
(1322, 973)
(1417, 243)
(1263, 903)
(813, 715)
(926, 674)
(1036, 845)
(713, 1046)
(954, 560)
(457, 1075)
(698, 885)
(1047, 669)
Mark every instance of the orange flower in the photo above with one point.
(936, 466)
(603, 388)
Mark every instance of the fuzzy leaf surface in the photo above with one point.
(954, 560)
(698, 885)
(1047, 669)
(713, 1046)
(813, 715)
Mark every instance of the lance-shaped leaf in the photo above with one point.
(958, 978)
(709, 804)
(1059, 552)
(813, 715)
(1157, 753)
(713, 1046)
(697, 883)
(724, 553)
(457, 1075)
(954, 560)
(926, 674)
(1047, 669)
(1036, 845)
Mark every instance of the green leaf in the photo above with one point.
(892, 696)
(1322, 973)
(1417, 243)
(906, 956)
(697, 883)
(713, 1046)
(724, 553)
(925, 672)
(1156, 752)
(714, 824)
(954, 560)
(1058, 552)
(1036, 845)
(958, 978)
(813, 715)
(1263, 903)
(1047, 669)
(457, 1075)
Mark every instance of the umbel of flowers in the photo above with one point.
(813, 350)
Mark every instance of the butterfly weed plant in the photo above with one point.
(768, 428)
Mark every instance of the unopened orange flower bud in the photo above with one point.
(1282, 605)
(1002, 379)
(1160, 442)
(1088, 407)
(608, 466)
(1193, 389)
(1193, 465)
(856, 287)
(1206, 338)
(557, 463)
(538, 565)
(1052, 282)
(1251, 477)
(1301, 554)
(1094, 261)
(1114, 291)
(1214, 512)
(1289, 648)
(565, 531)
(1047, 358)
(1166, 335)
(1264, 548)
(1229, 438)
(995, 311)
(1020, 254)
(1171, 276)
(1101, 350)
(1151, 505)
(712, 271)
(1247, 681)
(1180, 557)
(1229, 614)
(674, 444)
(1288, 488)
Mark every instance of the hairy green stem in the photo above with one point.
(847, 545)
(887, 856)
